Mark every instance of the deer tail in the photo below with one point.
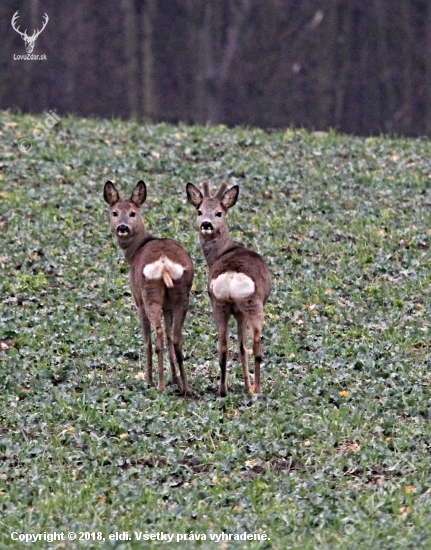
(167, 279)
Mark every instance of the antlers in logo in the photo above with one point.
(28, 40)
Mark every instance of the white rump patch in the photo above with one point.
(232, 285)
(162, 266)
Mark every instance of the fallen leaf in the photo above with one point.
(404, 511)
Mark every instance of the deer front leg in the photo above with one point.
(146, 331)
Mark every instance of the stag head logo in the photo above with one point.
(28, 40)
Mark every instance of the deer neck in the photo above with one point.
(130, 246)
(215, 248)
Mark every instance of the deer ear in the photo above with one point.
(230, 197)
(110, 194)
(194, 196)
(139, 194)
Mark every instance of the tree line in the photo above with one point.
(359, 66)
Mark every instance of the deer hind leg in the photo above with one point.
(168, 318)
(221, 317)
(242, 345)
(256, 325)
(146, 331)
(179, 318)
(153, 310)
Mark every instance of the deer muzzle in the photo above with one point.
(122, 230)
(207, 227)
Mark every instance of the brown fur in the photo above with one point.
(153, 297)
(223, 254)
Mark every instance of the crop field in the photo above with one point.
(335, 453)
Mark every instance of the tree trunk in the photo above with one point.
(217, 48)
(385, 70)
(427, 61)
(149, 100)
(131, 50)
(331, 102)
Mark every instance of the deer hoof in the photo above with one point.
(188, 392)
(222, 391)
(175, 381)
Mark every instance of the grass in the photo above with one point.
(334, 454)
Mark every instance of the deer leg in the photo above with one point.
(179, 317)
(154, 312)
(161, 386)
(256, 332)
(242, 342)
(168, 318)
(146, 331)
(222, 321)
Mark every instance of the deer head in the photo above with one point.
(126, 218)
(211, 209)
(28, 40)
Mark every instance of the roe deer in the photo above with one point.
(239, 281)
(161, 276)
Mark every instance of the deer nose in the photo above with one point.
(206, 226)
(122, 229)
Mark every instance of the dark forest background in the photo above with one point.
(359, 66)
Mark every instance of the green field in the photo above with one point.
(334, 454)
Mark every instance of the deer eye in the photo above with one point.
(132, 214)
(199, 212)
(115, 214)
(218, 214)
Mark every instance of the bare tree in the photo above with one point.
(218, 40)
(427, 63)
(149, 100)
(131, 46)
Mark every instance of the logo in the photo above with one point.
(29, 41)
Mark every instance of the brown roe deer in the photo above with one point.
(161, 276)
(239, 281)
